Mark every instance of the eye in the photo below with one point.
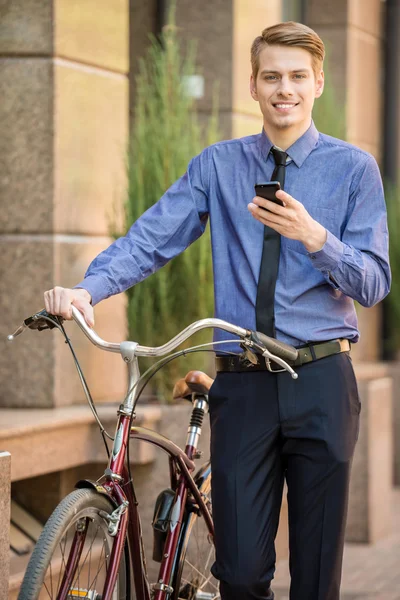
(299, 76)
(270, 77)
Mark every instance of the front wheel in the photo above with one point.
(192, 578)
(75, 534)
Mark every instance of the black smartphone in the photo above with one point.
(268, 190)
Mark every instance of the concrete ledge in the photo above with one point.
(395, 373)
(371, 370)
(369, 517)
(47, 440)
(5, 492)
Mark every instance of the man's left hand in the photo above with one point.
(291, 220)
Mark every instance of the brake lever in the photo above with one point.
(17, 332)
(268, 356)
(41, 320)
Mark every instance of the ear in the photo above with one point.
(319, 87)
(253, 88)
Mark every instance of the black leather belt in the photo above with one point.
(307, 354)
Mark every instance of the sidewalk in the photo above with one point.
(369, 572)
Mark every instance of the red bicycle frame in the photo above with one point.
(120, 490)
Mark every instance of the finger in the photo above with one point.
(265, 214)
(265, 217)
(268, 205)
(285, 197)
(46, 301)
(65, 304)
(50, 299)
(90, 316)
(57, 300)
(86, 309)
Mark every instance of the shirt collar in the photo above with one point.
(298, 151)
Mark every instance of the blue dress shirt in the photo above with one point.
(341, 188)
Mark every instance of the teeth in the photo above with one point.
(284, 105)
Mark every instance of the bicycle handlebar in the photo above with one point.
(274, 346)
(260, 343)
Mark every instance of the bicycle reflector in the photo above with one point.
(81, 593)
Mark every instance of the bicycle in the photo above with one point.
(91, 546)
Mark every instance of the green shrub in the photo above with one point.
(166, 134)
(392, 301)
(329, 113)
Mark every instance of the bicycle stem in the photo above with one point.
(127, 350)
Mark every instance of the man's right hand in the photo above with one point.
(59, 301)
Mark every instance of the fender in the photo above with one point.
(93, 485)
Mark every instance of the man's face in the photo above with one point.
(286, 87)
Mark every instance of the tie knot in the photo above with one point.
(280, 156)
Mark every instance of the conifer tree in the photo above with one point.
(166, 135)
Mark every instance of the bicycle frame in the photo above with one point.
(120, 490)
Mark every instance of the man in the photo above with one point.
(325, 247)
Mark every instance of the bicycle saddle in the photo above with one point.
(195, 382)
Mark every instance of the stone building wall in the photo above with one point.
(64, 127)
(353, 33)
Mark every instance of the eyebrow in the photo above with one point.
(264, 71)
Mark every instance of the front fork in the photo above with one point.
(125, 517)
(73, 559)
(118, 545)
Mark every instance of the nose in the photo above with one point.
(285, 88)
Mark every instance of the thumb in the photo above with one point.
(285, 197)
(86, 309)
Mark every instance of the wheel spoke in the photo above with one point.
(89, 551)
(195, 569)
(47, 590)
(199, 552)
(209, 558)
(99, 567)
(205, 580)
(209, 582)
(90, 562)
(62, 560)
(51, 580)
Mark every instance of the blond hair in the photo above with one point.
(289, 34)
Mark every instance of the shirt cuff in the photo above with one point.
(330, 255)
(96, 286)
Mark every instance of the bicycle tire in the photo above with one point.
(79, 504)
(195, 552)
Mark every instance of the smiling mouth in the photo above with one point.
(285, 106)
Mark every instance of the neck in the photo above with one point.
(285, 137)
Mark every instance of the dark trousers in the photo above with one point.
(266, 428)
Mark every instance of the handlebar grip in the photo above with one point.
(276, 347)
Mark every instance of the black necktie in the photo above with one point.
(270, 260)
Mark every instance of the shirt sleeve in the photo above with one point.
(162, 232)
(358, 263)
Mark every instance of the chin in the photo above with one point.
(284, 123)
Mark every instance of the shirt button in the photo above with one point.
(313, 257)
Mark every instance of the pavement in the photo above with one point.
(370, 571)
